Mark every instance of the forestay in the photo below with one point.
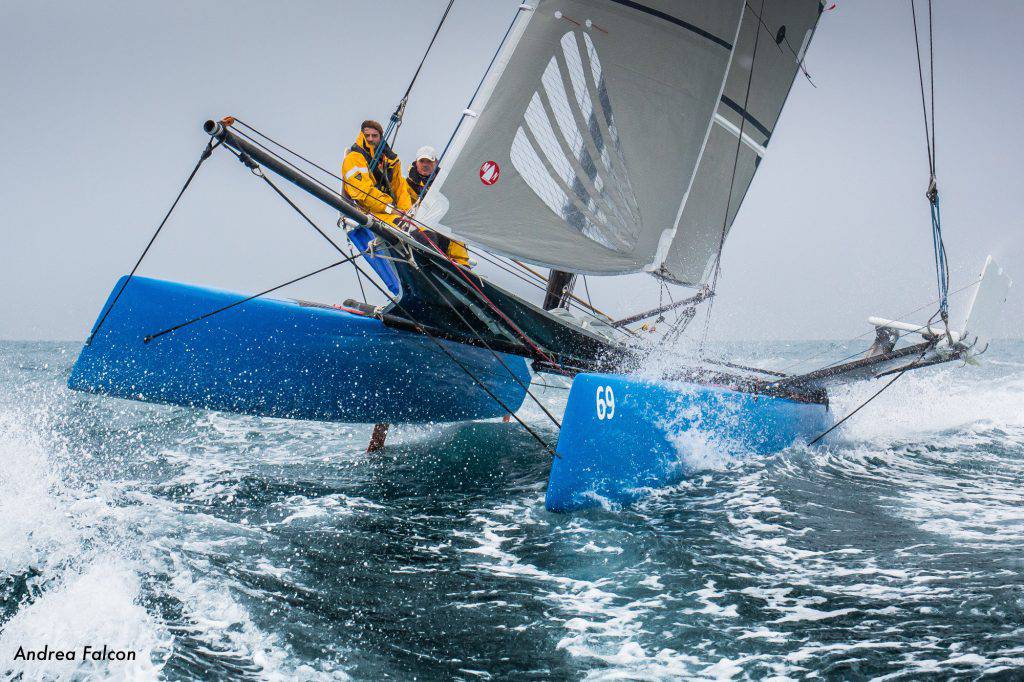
(581, 144)
(786, 27)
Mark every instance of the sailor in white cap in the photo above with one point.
(420, 172)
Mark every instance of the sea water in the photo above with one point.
(216, 546)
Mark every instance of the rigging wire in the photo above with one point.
(541, 278)
(359, 278)
(396, 118)
(732, 183)
(508, 321)
(807, 359)
(392, 126)
(290, 151)
(312, 178)
(467, 111)
(932, 194)
(229, 306)
(877, 393)
(210, 146)
(517, 269)
(458, 267)
(398, 306)
(586, 287)
(479, 337)
(419, 68)
(785, 39)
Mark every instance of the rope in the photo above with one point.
(210, 146)
(512, 325)
(204, 316)
(732, 183)
(479, 338)
(427, 52)
(391, 133)
(938, 247)
(807, 359)
(864, 404)
(476, 92)
(398, 306)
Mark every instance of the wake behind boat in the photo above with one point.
(579, 153)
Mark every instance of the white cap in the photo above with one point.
(426, 153)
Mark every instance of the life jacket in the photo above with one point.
(383, 191)
(417, 181)
(385, 169)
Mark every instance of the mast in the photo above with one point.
(559, 289)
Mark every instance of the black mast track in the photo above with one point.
(559, 289)
(420, 269)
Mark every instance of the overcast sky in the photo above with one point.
(103, 102)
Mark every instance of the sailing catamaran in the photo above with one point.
(607, 138)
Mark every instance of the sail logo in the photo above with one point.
(568, 152)
(490, 171)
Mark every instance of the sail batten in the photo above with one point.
(587, 133)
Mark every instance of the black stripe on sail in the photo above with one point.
(750, 119)
(678, 22)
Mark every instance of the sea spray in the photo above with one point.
(277, 549)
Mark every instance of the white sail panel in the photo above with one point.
(583, 130)
(786, 27)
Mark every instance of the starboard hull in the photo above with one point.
(622, 437)
(285, 359)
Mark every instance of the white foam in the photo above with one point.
(653, 582)
(934, 401)
(695, 430)
(96, 607)
(601, 626)
(35, 524)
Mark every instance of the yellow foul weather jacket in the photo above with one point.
(378, 193)
(417, 185)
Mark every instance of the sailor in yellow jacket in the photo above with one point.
(421, 173)
(383, 193)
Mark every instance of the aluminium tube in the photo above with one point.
(333, 199)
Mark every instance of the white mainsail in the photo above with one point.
(786, 27)
(582, 142)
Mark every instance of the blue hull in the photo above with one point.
(284, 359)
(621, 436)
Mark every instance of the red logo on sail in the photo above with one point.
(490, 171)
